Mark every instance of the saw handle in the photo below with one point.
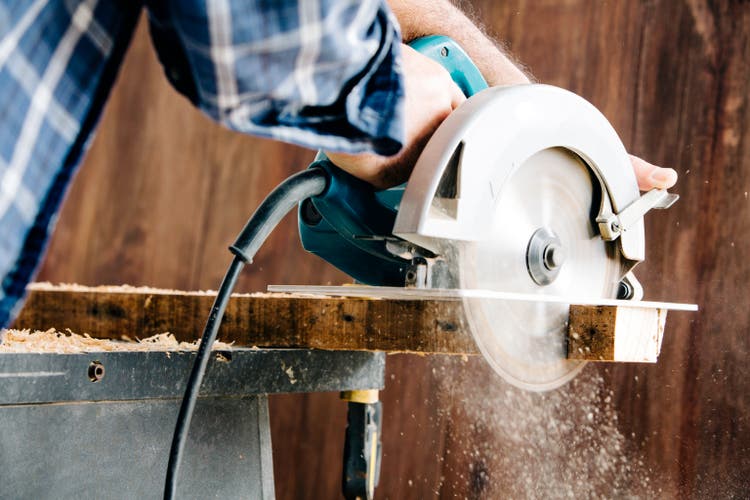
(446, 52)
(349, 224)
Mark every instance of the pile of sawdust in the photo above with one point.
(518, 444)
(52, 341)
(75, 287)
(46, 286)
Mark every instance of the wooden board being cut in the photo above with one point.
(438, 326)
(262, 320)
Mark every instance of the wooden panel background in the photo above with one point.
(163, 191)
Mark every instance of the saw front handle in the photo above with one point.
(452, 57)
(351, 224)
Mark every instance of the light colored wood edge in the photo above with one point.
(613, 333)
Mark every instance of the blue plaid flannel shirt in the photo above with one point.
(319, 73)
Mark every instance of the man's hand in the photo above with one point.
(431, 95)
(650, 176)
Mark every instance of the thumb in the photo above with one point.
(650, 176)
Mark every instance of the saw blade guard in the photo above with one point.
(460, 175)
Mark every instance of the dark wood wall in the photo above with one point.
(163, 191)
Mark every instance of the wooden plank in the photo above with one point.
(433, 326)
(262, 320)
(615, 333)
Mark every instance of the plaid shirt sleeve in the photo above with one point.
(319, 73)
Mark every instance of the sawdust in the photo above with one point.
(52, 341)
(125, 288)
(75, 287)
(518, 444)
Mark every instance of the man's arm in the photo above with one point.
(430, 93)
(420, 18)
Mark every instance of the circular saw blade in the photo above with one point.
(525, 342)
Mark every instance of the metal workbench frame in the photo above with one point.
(99, 425)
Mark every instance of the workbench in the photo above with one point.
(99, 424)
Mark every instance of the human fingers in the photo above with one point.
(430, 92)
(457, 95)
(650, 176)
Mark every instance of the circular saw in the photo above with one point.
(523, 189)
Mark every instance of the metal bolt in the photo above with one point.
(614, 227)
(411, 276)
(625, 291)
(96, 371)
(444, 51)
(554, 256)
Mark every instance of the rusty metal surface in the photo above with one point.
(115, 376)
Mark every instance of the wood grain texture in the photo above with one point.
(163, 192)
(259, 320)
(611, 333)
(599, 333)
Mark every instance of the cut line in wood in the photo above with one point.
(408, 321)
(396, 293)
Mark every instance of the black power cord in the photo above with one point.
(284, 198)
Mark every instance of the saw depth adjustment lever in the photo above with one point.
(612, 225)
